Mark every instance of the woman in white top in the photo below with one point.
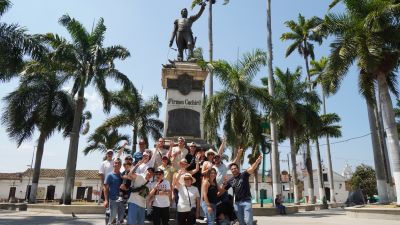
(160, 190)
(188, 208)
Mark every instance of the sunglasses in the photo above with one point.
(159, 174)
(187, 179)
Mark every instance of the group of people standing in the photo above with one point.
(192, 180)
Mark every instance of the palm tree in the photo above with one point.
(210, 38)
(367, 33)
(136, 113)
(326, 127)
(86, 62)
(38, 103)
(291, 108)
(302, 34)
(241, 123)
(105, 138)
(276, 177)
(318, 69)
(14, 45)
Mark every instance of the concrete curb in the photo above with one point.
(373, 213)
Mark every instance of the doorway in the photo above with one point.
(89, 193)
(51, 189)
(328, 194)
(11, 195)
(80, 193)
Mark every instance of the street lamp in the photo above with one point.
(30, 174)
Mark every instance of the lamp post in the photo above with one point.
(30, 174)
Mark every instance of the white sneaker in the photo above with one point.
(120, 199)
(205, 219)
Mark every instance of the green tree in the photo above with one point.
(39, 103)
(303, 33)
(105, 138)
(86, 62)
(366, 33)
(326, 127)
(15, 43)
(364, 178)
(291, 107)
(237, 104)
(141, 116)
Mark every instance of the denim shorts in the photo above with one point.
(135, 214)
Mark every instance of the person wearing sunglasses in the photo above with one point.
(160, 191)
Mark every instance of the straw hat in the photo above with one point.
(210, 151)
(186, 175)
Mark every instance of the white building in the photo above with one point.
(14, 186)
(341, 192)
(339, 182)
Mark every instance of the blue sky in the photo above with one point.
(144, 27)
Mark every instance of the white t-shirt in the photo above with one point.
(178, 157)
(135, 197)
(158, 154)
(221, 173)
(184, 205)
(106, 167)
(161, 201)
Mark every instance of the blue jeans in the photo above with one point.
(135, 214)
(244, 212)
(116, 208)
(210, 216)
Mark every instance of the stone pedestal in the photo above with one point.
(184, 85)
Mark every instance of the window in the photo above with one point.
(325, 176)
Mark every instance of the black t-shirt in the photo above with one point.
(191, 159)
(241, 187)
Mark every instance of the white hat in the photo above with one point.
(210, 151)
(110, 150)
(186, 175)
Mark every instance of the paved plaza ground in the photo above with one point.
(325, 217)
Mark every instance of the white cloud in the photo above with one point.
(94, 102)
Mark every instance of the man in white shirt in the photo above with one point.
(160, 190)
(159, 152)
(137, 199)
(107, 165)
(178, 152)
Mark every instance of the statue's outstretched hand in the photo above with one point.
(170, 43)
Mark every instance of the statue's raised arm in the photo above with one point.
(182, 32)
(195, 17)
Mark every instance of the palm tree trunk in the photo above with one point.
(378, 159)
(256, 184)
(70, 170)
(134, 142)
(391, 130)
(36, 170)
(310, 178)
(328, 155)
(308, 159)
(276, 181)
(294, 168)
(321, 188)
(384, 149)
(211, 47)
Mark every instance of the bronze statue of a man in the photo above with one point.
(183, 32)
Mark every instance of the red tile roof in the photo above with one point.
(51, 173)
